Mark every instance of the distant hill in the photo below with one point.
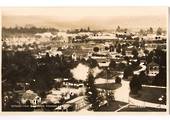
(94, 22)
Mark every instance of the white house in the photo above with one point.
(153, 69)
(45, 34)
(30, 96)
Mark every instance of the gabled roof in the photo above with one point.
(153, 64)
(29, 95)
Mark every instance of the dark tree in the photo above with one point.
(128, 71)
(150, 56)
(135, 53)
(111, 48)
(107, 48)
(118, 49)
(143, 77)
(150, 30)
(159, 31)
(92, 63)
(92, 93)
(146, 52)
(118, 29)
(160, 78)
(142, 44)
(88, 29)
(28, 106)
(136, 43)
(142, 32)
(96, 49)
(135, 85)
(112, 64)
(123, 51)
(118, 80)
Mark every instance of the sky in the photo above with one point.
(94, 17)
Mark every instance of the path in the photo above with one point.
(122, 93)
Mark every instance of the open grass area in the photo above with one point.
(152, 95)
(132, 108)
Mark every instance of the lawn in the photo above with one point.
(152, 95)
(133, 108)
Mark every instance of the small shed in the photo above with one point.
(152, 69)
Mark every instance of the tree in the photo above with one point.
(96, 49)
(135, 53)
(160, 78)
(118, 80)
(142, 44)
(160, 56)
(88, 29)
(123, 51)
(107, 48)
(127, 59)
(121, 65)
(92, 63)
(146, 52)
(9, 102)
(128, 71)
(28, 106)
(118, 49)
(112, 64)
(149, 57)
(118, 29)
(143, 78)
(135, 85)
(125, 30)
(150, 30)
(159, 31)
(92, 93)
(111, 48)
(142, 32)
(136, 43)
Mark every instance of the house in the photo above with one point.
(62, 37)
(44, 35)
(101, 39)
(78, 103)
(102, 58)
(30, 96)
(103, 63)
(53, 52)
(54, 96)
(152, 69)
(154, 37)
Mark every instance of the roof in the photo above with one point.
(45, 34)
(76, 99)
(53, 98)
(153, 64)
(103, 81)
(101, 37)
(29, 95)
(55, 92)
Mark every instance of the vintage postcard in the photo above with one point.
(84, 59)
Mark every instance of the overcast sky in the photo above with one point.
(95, 17)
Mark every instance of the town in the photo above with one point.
(84, 69)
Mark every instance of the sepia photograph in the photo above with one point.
(84, 59)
